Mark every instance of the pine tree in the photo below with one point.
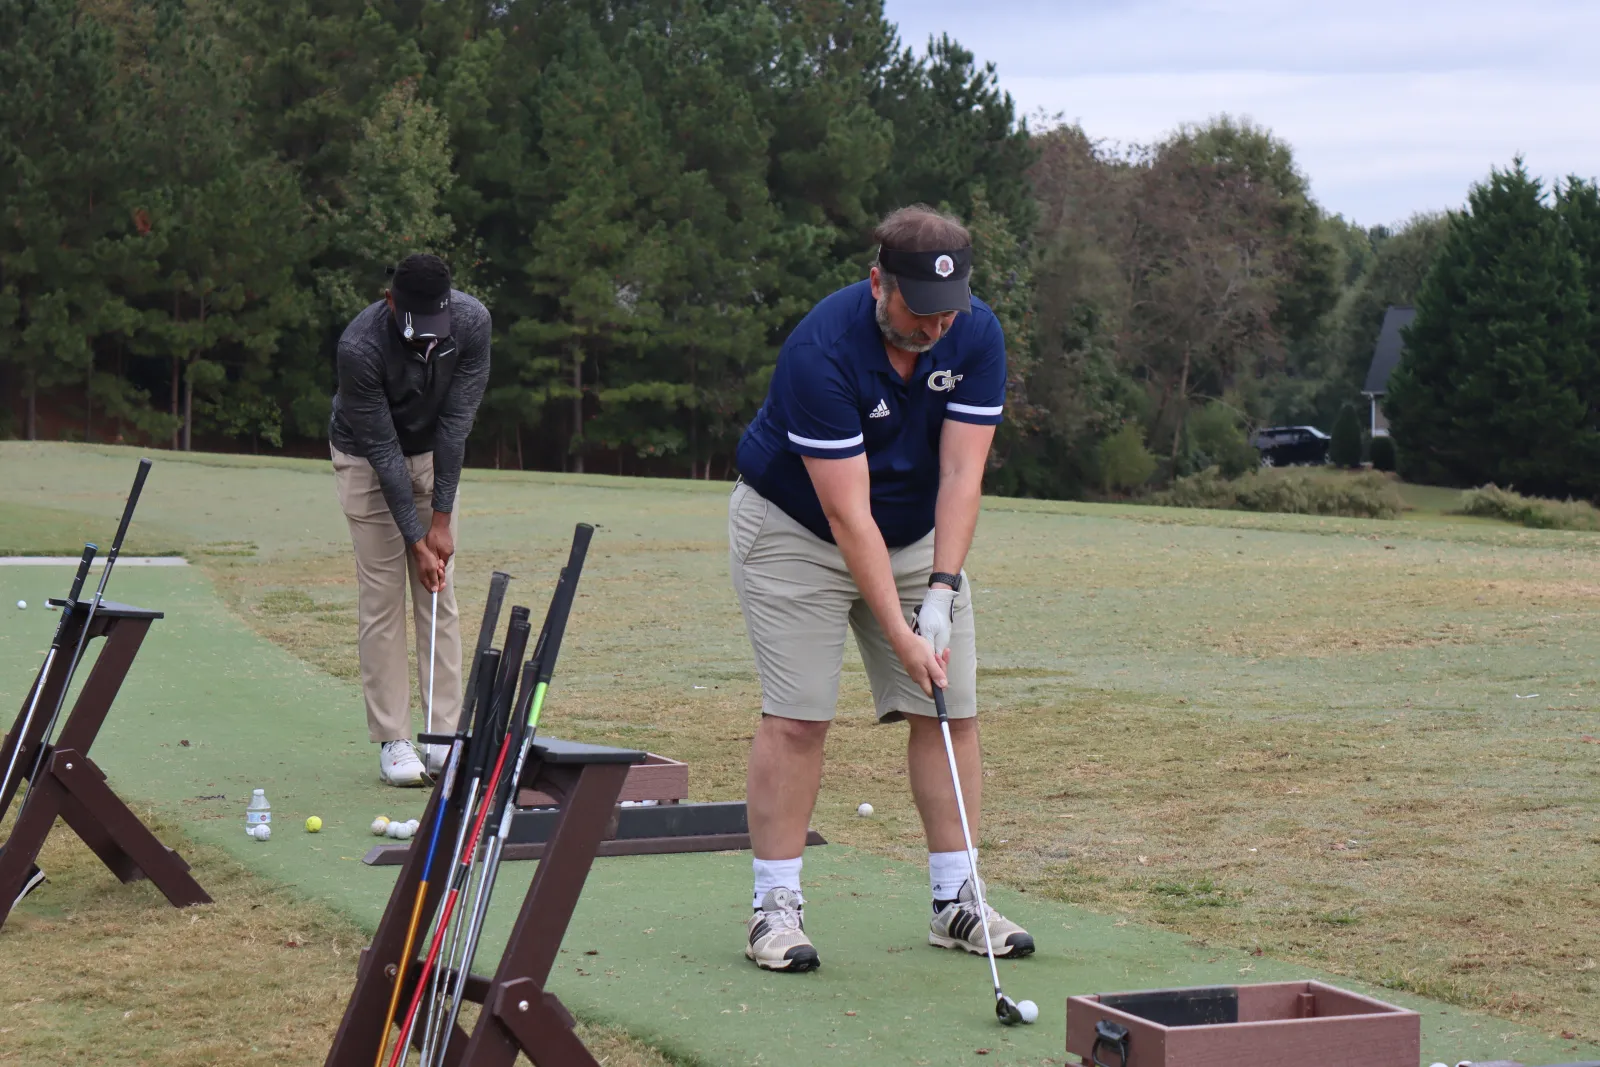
(1490, 386)
(1578, 204)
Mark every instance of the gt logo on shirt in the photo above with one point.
(942, 381)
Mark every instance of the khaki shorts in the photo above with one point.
(798, 598)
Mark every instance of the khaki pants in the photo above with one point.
(384, 566)
(798, 598)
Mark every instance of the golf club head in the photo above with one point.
(1005, 1009)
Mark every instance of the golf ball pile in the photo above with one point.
(399, 829)
(261, 831)
(864, 810)
(1028, 1010)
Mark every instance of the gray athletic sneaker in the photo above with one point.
(777, 936)
(957, 925)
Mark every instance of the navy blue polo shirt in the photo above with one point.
(835, 394)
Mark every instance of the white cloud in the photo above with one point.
(1391, 108)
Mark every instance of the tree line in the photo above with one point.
(196, 195)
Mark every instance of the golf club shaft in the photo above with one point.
(433, 655)
(485, 675)
(539, 671)
(504, 803)
(7, 786)
(94, 606)
(516, 644)
(449, 908)
(485, 671)
(966, 835)
(416, 907)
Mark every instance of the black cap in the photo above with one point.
(421, 290)
(931, 282)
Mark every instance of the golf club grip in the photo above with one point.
(505, 789)
(127, 511)
(82, 576)
(510, 660)
(478, 756)
(498, 582)
(561, 606)
(938, 703)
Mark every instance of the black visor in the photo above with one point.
(932, 283)
(422, 317)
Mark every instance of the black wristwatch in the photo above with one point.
(952, 580)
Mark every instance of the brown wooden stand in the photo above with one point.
(69, 784)
(518, 1015)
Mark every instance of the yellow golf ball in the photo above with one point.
(313, 824)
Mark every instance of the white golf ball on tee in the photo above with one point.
(864, 809)
(1028, 1010)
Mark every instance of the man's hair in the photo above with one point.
(422, 275)
(918, 228)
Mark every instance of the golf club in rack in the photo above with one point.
(7, 785)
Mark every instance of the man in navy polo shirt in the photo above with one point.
(860, 482)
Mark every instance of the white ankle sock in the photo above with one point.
(946, 872)
(772, 873)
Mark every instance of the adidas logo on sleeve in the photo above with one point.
(879, 412)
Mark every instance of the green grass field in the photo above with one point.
(1366, 747)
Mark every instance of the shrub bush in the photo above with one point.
(1382, 454)
(1345, 448)
(1125, 463)
(1490, 501)
(1216, 438)
(1289, 490)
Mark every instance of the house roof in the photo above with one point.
(1386, 353)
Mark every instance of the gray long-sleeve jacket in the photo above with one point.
(393, 403)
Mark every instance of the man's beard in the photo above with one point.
(906, 342)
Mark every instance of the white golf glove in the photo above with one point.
(933, 618)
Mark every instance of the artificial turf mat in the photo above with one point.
(666, 932)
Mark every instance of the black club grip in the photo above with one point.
(89, 551)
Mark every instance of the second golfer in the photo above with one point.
(860, 482)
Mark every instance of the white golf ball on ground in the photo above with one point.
(380, 825)
(22, 604)
(262, 831)
(864, 809)
(1029, 1010)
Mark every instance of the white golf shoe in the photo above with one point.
(435, 756)
(398, 764)
(777, 938)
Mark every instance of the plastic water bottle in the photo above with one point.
(259, 813)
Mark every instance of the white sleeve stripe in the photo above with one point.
(968, 409)
(810, 442)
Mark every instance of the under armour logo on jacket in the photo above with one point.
(879, 412)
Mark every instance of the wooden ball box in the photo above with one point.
(1275, 1024)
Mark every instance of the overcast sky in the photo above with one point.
(1391, 107)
